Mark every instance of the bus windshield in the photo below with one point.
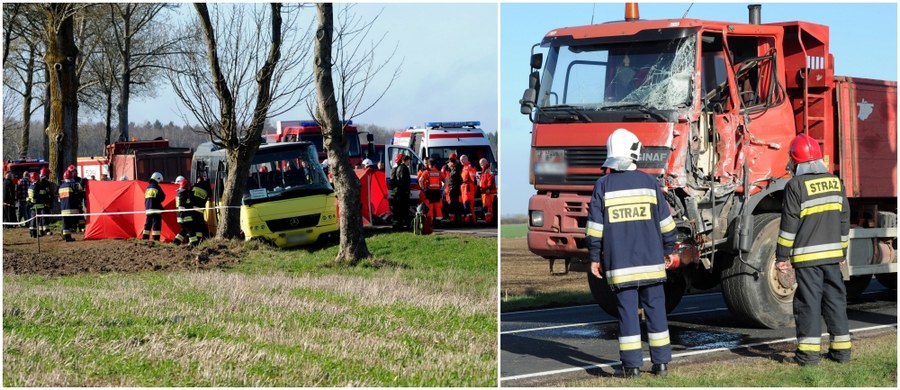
(353, 148)
(277, 172)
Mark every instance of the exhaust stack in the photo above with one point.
(755, 13)
(631, 12)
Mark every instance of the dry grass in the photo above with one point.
(229, 329)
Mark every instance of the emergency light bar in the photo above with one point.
(316, 124)
(453, 124)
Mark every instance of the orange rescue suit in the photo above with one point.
(468, 191)
(488, 192)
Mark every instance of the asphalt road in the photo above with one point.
(549, 345)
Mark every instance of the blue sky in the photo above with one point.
(449, 72)
(863, 41)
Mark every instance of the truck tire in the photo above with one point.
(675, 287)
(755, 296)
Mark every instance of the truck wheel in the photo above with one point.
(856, 285)
(887, 280)
(756, 296)
(675, 287)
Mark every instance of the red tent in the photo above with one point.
(373, 195)
(122, 196)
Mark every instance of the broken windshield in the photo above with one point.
(652, 75)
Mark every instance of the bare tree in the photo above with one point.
(142, 43)
(245, 77)
(61, 57)
(346, 55)
(24, 32)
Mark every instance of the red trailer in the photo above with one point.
(715, 105)
(137, 160)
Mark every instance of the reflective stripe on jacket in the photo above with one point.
(815, 221)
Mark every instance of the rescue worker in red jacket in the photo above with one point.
(39, 197)
(183, 197)
(630, 239)
(70, 201)
(468, 188)
(488, 190)
(812, 243)
(153, 202)
(433, 183)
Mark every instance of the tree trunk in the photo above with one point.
(108, 118)
(62, 131)
(45, 141)
(125, 91)
(26, 104)
(352, 235)
(233, 189)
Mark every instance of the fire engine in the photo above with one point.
(715, 105)
(310, 131)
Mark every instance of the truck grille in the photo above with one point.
(591, 157)
(305, 221)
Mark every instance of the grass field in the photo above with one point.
(874, 364)
(423, 313)
(516, 230)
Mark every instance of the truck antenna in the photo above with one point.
(593, 7)
(686, 11)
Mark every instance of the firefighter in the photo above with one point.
(469, 174)
(39, 197)
(9, 199)
(400, 191)
(199, 196)
(22, 199)
(453, 173)
(70, 200)
(185, 213)
(488, 190)
(434, 181)
(80, 206)
(630, 237)
(153, 202)
(812, 246)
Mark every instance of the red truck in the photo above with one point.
(137, 160)
(292, 131)
(716, 105)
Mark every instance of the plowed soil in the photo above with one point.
(56, 257)
(524, 273)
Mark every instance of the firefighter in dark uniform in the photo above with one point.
(400, 192)
(70, 200)
(22, 198)
(39, 197)
(81, 220)
(453, 171)
(812, 243)
(153, 199)
(630, 237)
(185, 212)
(9, 199)
(200, 195)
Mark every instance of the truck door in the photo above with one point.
(713, 146)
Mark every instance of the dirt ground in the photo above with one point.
(524, 273)
(56, 257)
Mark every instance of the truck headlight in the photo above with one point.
(550, 162)
(537, 218)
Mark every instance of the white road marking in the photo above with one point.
(513, 313)
(601, 322)
(678, 355)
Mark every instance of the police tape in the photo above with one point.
(27, 221)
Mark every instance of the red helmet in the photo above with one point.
(805, 149)
(184, 184)
(71, 168)
(45, 172)
(453, 156)
(398, 158)
(34, 177)
(67, 175)
(263, 169)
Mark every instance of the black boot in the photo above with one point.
(661, 369)
(631, 372)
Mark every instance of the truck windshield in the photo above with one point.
(353, 148)
(278, 173)
(475, 153)
(644, 75)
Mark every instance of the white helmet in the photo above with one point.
(325, 163)
(179, 179)
(156, 176)
(368, 163)
(622, 149)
